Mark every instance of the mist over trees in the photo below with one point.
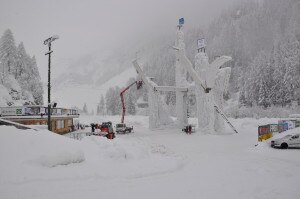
(20, 80)
(263, 39)
(101, 107)
(113, 99)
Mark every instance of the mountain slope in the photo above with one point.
(74, 94)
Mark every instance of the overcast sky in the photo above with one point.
(86, 26)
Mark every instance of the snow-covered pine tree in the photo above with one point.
(85, 109)
(17, 67)
(8, 53)
(98, 110)
(117, 100)
(264, 79)
(22, 60)
(110, 101)
(130, 104)
(102, 106)
(36, 86)
(242, 98)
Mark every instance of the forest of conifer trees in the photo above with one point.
(262, 37)
(20, 82)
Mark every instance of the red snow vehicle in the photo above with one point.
(105, 126)
(189, 129)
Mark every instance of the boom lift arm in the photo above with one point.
(138, 85)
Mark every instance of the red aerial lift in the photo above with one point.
(122, 127)
(138, 86)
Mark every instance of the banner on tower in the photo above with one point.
(181, 21)
(201, 43)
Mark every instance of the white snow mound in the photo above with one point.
(37, 148)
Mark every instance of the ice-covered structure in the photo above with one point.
(158, 114)
(181, 82)
(217, 79)
(210, 83)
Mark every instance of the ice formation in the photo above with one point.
(158, 114)
(181, 74)
(217, 79)
(210, 83)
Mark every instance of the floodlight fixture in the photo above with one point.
(51, 39)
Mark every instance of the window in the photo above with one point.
(295, 137)
(64, 111)
(69, 122)
(120, 125)
(58, 111)
(60, 124)
(32, 110)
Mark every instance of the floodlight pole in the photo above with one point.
(49, 87)
(48, 42)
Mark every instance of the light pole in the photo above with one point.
(48, 42)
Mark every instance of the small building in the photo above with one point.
(62, 119)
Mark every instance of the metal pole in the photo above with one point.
(49, 88)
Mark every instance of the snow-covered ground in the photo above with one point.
(146, 164)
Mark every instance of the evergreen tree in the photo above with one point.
(22, 62)
(130, 104)
(118, 103)
(110, 101)
(36, 86)
(8, 53)
(17, 67)
(98, 109)
(102, 105)
(85, 109)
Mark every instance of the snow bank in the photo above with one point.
(29, 150)
(127, 157)
(30, 155)
(147, 164)
(117, 149)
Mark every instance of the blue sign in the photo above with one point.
(181, 21)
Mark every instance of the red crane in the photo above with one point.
(138, 86)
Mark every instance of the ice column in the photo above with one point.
(158, 114)
(181, 74)
(220, 87)
(205, 107)
(209, 120)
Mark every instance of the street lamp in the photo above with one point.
(48, 42)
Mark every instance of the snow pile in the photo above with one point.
(117, 149)
(29, 150)
(44, 156)
(127, 157)
(147, 164)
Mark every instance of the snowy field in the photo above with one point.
(146, 164)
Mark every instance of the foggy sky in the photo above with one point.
(87, 26)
